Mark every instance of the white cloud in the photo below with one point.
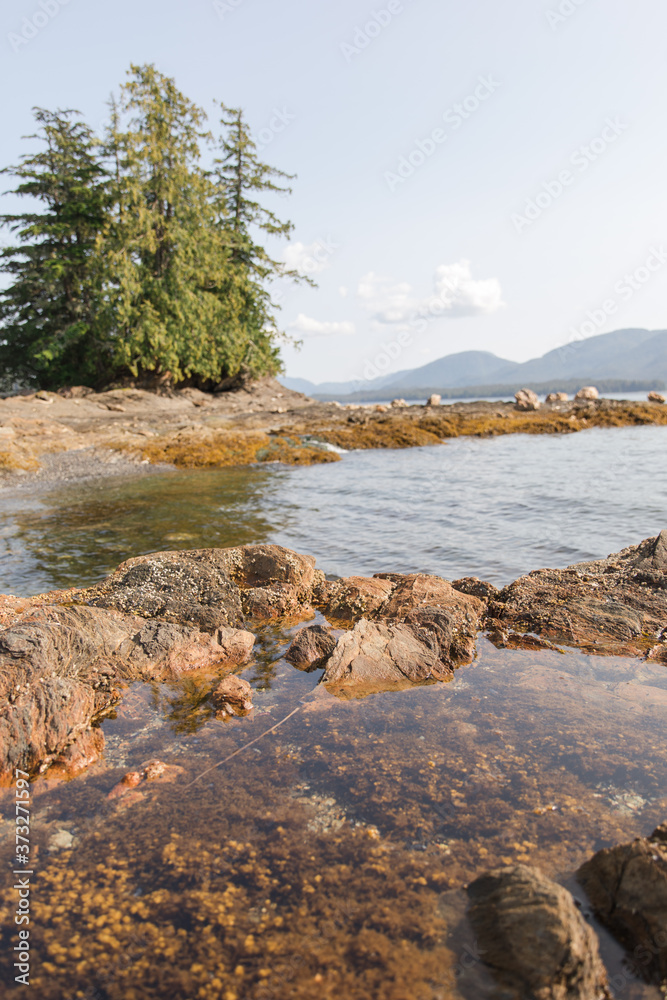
(309, 258)
(317, 328)
(456, 293)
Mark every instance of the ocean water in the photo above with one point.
(493, 508)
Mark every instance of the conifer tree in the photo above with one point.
(47, 308)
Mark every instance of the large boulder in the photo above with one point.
(656, 397)
(533, 938)
(557, 397)
(612, 606)
(587, 392)
(526, 400)
(627, 888)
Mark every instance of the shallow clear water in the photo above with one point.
(328, 858)
(493, 508)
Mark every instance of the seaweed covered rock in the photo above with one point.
(532, 937)
(232, 696)
(627, 888)
(612, 606)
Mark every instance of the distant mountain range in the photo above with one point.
(623, 361)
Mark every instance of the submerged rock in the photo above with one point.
(310, 648)
(532, 937)
(232, 696)
(613, 606)
(627, 888)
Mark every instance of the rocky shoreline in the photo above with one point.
(67, 657)
(77, 433)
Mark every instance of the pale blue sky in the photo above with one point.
(346, 119)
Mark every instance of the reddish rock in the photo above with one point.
(526, 399)
(627, 888)
(374, 656)
(311, 647)
(533, 938)
(151, 771)
(420, 590)
(233, 696)
(353, 597)
(86, 749)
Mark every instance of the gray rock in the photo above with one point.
(533, 939)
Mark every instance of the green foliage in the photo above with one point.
(145, 264)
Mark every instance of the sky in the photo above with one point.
(478, 176)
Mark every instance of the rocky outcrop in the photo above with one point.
(627, 887)
(63, 664)
(61, 667)
(656, 397)
(311, 648)
(613, 606)
(533, 939)
(526, 400)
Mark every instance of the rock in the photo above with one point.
(557, 397)
(310, 648)
(627, 888)
(353, 597)
(613, 606)
(526, 399)
(434, 399)
(86, 749)
(476, 587)
(399, 403)
(656, 397)
(419, 590)
(587, 392)
(380, 408)
(62, 667)
(152, 771)
(278, 601)
(532, 937)
(187, 588)
(232, 696)
(377, 657)
(204, 587)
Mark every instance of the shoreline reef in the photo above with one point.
(77, 433)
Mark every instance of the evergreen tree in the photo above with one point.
(46, 310)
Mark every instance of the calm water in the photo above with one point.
(492, 508)
(328, 858)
